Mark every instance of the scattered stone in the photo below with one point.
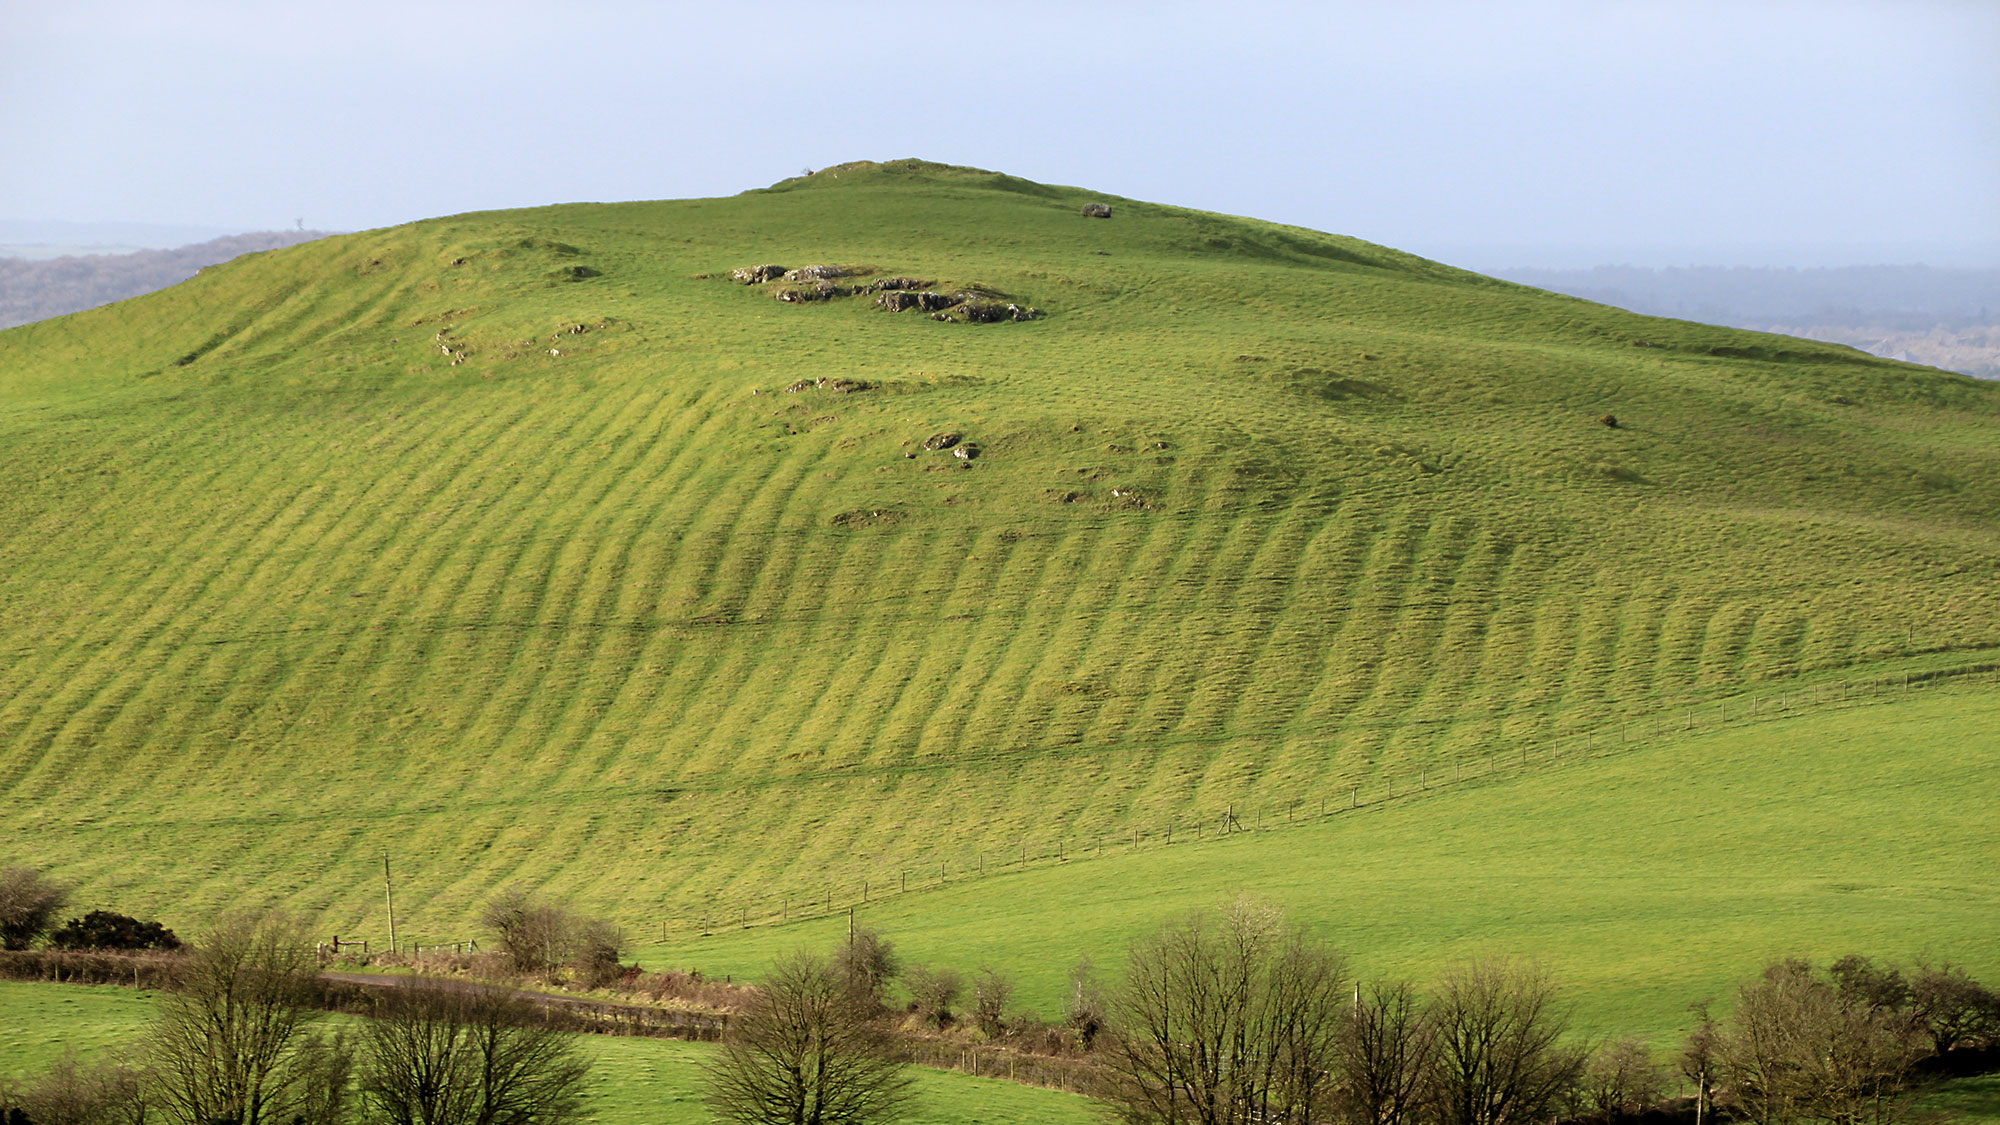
(983, 312)
(817, 273)
(817, 291)
(872, 517)
(837, 386)
(944, 440)
(977, 304)
(1610, 420)
(966, 452)
(1097, 210)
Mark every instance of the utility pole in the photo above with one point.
(389, 892)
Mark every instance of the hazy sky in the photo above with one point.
(1668, 132)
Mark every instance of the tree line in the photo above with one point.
(1229, 1017)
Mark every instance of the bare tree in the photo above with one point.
(991, 991)
(1951, 1008)
(1621, 1081)
(232, 1043)
(1807, 1047)
(1087, 1012)
(1700, 1058)
(866, 963)
(1385, 1055)
(804, 1054)
(469, 1056)
(935, 992)
(541, 937)
(28, 903)
(1501, 1055)
(1228, 1021)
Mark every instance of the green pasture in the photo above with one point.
(501, 545)
(1645, 879)
(39, 1022)
(632, 1082)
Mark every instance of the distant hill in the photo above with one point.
(1947, 318)
(535, 547)
(32, 289)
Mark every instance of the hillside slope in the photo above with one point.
(498, 542)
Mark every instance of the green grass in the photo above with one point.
(39, 1022)
(632, 1081)
(1971, 1101)
(1644, 880)
(1262, 512)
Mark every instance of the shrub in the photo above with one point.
(866, 964)
(1087, 1012)
(72, 1094)
(990, 993)
(539, 937)
(103, 929)
(28, 901)
(934, 992)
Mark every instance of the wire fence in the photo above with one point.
(841, 895)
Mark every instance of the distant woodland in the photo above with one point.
(31, 290)
(1948, 318)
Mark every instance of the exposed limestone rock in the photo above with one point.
(1097, 210)
(756, 275)
(834, 386)
(818, 273)
(817, 291)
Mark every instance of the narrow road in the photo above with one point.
(601, 1016)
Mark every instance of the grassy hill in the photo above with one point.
(499, 543)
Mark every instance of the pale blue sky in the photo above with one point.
(1550, 132)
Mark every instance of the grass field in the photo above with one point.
(1647, 879)
(1261, 512)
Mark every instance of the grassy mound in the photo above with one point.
(496, 543)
